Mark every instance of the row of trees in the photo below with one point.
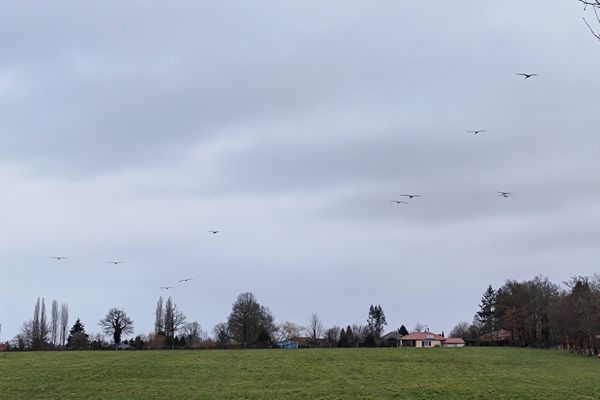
(539, 313)
(249, 325)
(252, 325)
(40, 332)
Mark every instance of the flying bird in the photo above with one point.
(60, 258)
(504, 194)
(167, 287)
(186, 279)
(214, 232)
(527, 76)
(476, 132)
(411, 196)
(115, 262)
(398, 202)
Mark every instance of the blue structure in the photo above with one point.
(288, 344)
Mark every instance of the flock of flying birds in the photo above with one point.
(397, 202)
(184, 280)
(474, 132)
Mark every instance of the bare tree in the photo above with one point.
(173, 320)
(64, 322)
(595, 5)
(332, 335)
(315, 327)
(193, 333)
(360, 333)
(159, 327)
(25, 336)
(461, 330)
(116, 323)
(221, 334)
(288, 330)
(39, 326)
(54, 322)
(420, 327)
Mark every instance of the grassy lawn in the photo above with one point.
(469, 373)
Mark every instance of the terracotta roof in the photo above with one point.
(454, 340)
(423, 336)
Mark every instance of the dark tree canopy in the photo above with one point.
(78, 339)
(402, 330)
(250, 323)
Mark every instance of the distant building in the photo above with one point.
(391, 339)
(3, 347)
(454, 342)
(422, 339)
(288, 344)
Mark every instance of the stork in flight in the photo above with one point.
(115, 262)
(504, 194)
(186, 279)
(59, 258)
(214, 232)
(527, 76)
(411, 196)
(398, 202)
(167, 287)
(477, 131)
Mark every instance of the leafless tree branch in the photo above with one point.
(595, 4)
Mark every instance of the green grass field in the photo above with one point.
(469, 373)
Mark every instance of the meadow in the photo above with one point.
(468, 373)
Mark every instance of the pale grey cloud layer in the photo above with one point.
(131, 128)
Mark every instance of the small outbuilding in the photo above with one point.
(454, 342)
(288, 344)
(391, 339)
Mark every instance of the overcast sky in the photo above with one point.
(131, 128)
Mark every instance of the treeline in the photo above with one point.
(538, 313)
(249, 325)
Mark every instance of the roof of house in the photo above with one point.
(394, 335)
(423, 336)
(454, 340)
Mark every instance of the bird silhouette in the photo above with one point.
(398, 202)
(411, 196)
(167, 287)
(214, 232)
(527, 76)
(115, 262)
(186, 279)
(476, 132)
(504, 194)
(60, 258)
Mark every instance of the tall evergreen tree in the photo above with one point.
(78, 339)
(376, 322)
(402, 330)
(486, 316)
